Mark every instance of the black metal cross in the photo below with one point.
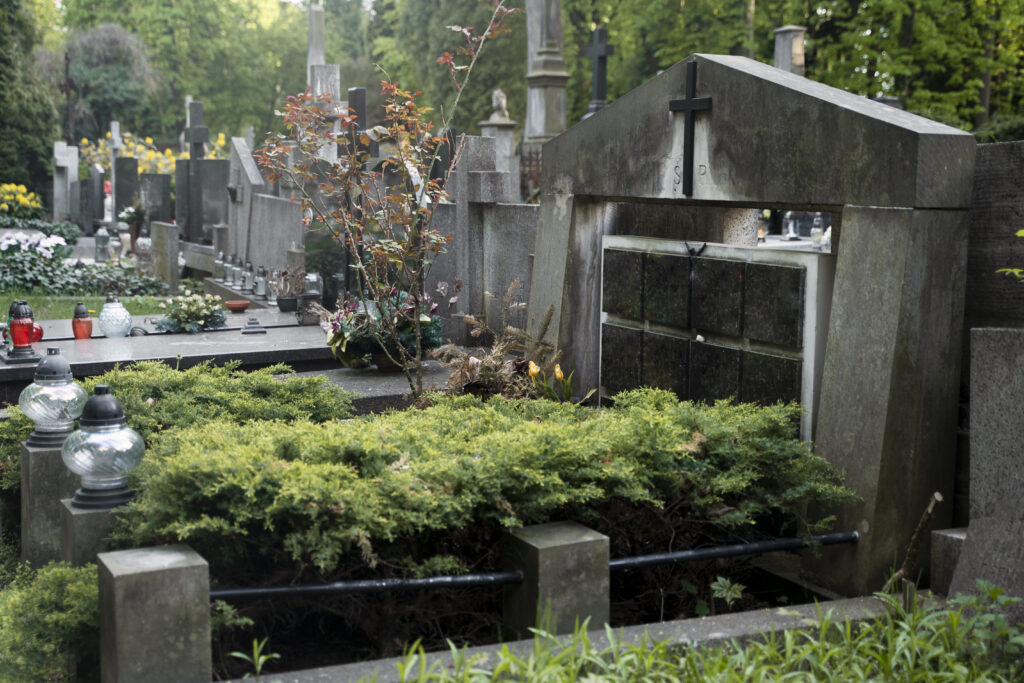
(599, 50)
(689, 106)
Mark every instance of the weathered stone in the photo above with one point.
(623, 284)
(275, 225)
(44, 482)
(714, 372)
(767, 379)
(565, 577)
(947, 545)
(666, 289)
(716, 296)
(666, 363)
(83, 533)
(509, 232)
(155, 194)
(789, 49)
(621, 359)
(65, 172)
(166, 245)
(773, 304)
(992, 551)
(154, 616)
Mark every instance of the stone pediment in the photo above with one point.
(770, 138)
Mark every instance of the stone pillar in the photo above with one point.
(83, 533)
(65, 172)
(565, 569)
(315, 42)
(166, 240)
(44, 482)
(327, 82)
(500, 127)
(154, 616)
(789, 49)
(546, 77)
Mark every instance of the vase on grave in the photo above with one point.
(115, 320)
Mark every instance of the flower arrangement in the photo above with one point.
(151, 159)
(16, 201)
(354, 330)
(48, 246)
(192, 313)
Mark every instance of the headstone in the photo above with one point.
(315, 47)
(213, 183)
(91, 198)
(166, 241)
(244, 182)
(500, 127)
(126, 183)
(65, 172)
(546, 77)
(357, 103)
(115, 152)
(155, 195)
(275, 224)
(789, 48)
(992, 549)
(599, 51)
(893, 339)
(196, 135)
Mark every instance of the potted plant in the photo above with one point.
(286, 286)
(192, 313)
(354, 331)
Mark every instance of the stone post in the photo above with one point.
(44, 482)
(154, 616)
(789, 48)
(500, 127)
(83, 532)
(166, 240)
(565, 569)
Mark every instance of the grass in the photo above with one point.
(53, 307)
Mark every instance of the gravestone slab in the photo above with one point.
(773, 306)
(213, 179)
(992, 551)
(276, 225)
(126, 183)
(666, 290)
(621, 358)
(717, 296)
(714, 372)
(623, 284)
(767, 379)
(665, 363)
(155, 195)
(244, 180)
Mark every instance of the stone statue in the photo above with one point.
(499, 102)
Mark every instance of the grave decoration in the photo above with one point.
(115, 320)
(102, 452)
(193, 313)
(53, 401)
(81, 323)
(22, 330)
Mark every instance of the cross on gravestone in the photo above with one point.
(690, 106)
(599, 50)
(196, 134)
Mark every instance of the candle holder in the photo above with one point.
(53, 401)
(22, 331)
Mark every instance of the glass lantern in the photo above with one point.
(115, 320)
(22, 330)
(218, 267)
(53, 401)
(272, 284)
(260, 284)
(236, 272)
(248, 278)
(102, 452)
(102, 238)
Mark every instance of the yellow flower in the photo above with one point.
(4, 207)
(149, 141)
(558, 373)
(108, 134)
(534, 369)
(85, 141)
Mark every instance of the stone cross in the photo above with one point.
(599, 50)
(65, 172)
(196, 135)
(690, 106)
(315, 51)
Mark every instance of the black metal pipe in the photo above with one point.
(368, 586)
(716, 552)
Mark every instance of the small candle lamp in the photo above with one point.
(260, 286)
(102, 238)
(102, 452)
(53, 401)
(22, 331)
(81, 324)
(218, 267)
(115, 320)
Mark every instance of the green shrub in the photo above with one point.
(155, 397)
(49, 624)
(969, 641)
(264, 497)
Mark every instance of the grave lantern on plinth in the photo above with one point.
(53, 401)
(22, 330)
(102, 452)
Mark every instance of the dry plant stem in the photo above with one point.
(915, 543)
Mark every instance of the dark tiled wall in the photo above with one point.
(733, 300)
